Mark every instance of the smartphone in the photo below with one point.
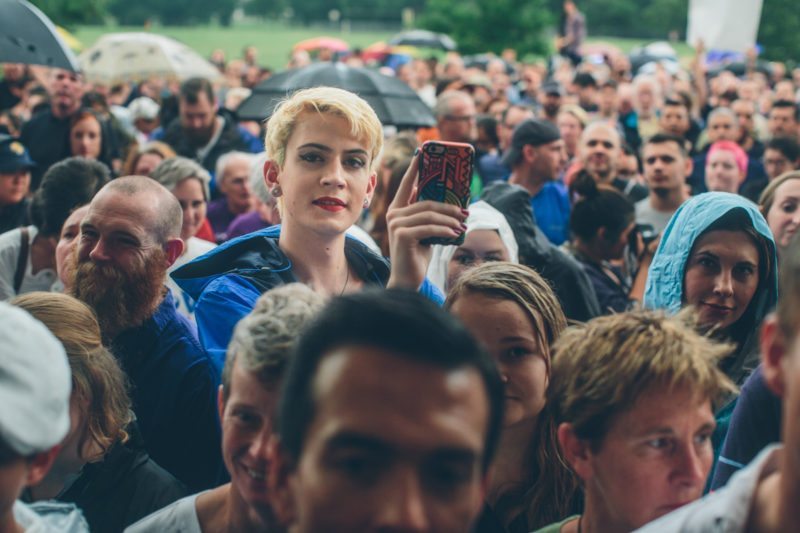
(445, 174)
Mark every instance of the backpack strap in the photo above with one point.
(22, 258)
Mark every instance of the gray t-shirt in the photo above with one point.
(645, 214)
(179, 517)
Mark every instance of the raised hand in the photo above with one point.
(409, 222)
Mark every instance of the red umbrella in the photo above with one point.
(319, 43)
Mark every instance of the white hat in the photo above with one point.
(35, 384)
(144, 107)
(481, 216)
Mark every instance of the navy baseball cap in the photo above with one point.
(13, 155)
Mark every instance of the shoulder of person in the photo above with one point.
(180, 516)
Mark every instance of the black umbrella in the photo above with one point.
(423, 39)
(393, 101)
(28, 36)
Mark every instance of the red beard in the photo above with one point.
(120, 299)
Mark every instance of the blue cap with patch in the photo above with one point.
(13, 155)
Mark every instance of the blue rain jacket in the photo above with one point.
(226, 282)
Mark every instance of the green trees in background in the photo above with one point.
(171, 12)
(477, 25)
(491, 25)
(66, 12)
(778, 30)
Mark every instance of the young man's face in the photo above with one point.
(376, 458)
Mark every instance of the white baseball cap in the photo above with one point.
(144, 107)
(35, 384)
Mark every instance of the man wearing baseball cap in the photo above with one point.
(15, 181)
(536, 156)
(35, 385)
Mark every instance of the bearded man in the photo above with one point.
(129, 237)
(200, 132)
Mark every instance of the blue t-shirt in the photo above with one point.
(551, 211)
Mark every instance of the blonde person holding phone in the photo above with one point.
(324, 145)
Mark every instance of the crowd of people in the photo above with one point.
(218, 325)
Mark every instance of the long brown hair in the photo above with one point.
(551, 491)
(97, 379)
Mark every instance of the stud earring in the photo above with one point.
(276, 191)
(366, 203)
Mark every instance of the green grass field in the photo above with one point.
(274, 40)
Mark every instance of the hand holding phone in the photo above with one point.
(445, 174)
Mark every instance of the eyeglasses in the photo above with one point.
(465, 118)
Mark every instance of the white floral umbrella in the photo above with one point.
(125, 57)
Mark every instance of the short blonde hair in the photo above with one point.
(363, 121)
(602, 368)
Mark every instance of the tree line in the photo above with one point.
(477, 25)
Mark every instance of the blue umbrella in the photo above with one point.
(28, 36)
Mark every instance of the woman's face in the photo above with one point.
(146, 163)
(511, 338)
(189, 193)
(784, 215)
(722, 173)
(721, 277)
(66, 245)
(480, 246)
(85, 138)
(71, 458)
(616, 249)
(326, 176)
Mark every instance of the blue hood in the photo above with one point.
(664, 289)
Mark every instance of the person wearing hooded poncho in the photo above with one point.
(718, 255)
(488, 238)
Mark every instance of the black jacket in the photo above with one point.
(122, 488)
(562, 272)
(232, 138)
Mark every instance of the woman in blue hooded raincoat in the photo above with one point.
(717, 254)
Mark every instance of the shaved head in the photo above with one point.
(169, 215)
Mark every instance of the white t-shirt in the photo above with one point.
(178, 517)
(9, 253)
(194, 248)
(49, 517)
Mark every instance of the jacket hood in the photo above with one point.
(482, 216)
(664, 289)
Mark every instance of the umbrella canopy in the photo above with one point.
(393, 101)
(124, 57)
(319, 43)
(28, 36)
(424, 39)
